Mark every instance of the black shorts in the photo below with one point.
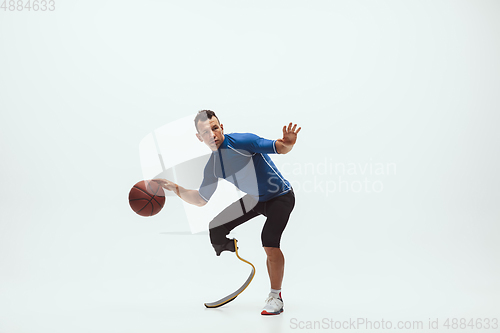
(277, 211)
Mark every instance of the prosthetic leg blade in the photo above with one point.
(232, 296)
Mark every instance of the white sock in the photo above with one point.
(276, 292)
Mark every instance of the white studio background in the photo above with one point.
(409, 85)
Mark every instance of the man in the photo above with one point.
(268, 192)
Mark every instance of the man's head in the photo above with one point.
(209, 129)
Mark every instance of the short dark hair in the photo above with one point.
(204, 115)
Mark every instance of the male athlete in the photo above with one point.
(268, 193)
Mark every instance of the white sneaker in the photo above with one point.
(274, 305)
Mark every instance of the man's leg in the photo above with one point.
(275, 266)
(277, 211)
(231, 217)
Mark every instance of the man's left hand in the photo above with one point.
(289, 138)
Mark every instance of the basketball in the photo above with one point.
(146, 198)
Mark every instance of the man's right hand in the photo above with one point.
(167, 184)
(190, 196)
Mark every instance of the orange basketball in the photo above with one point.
(146, 198)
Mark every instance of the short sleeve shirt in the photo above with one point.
(243, 160)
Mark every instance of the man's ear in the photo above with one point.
(222, 128)
(199, 137)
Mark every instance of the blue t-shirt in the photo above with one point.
(242, 160)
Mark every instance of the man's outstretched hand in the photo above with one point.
(285, 144)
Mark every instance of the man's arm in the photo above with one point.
(190, 196)
(286, 144)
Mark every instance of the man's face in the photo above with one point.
(211, 132)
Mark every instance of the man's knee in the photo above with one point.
(218, 234)
(273, 251)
